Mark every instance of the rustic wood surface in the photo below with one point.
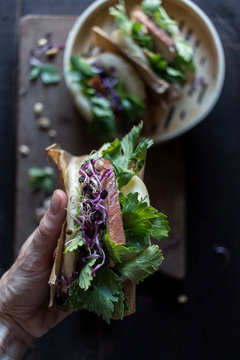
(207, 326)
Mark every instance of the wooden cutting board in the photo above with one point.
(164, 174)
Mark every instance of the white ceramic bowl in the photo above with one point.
(197, 28)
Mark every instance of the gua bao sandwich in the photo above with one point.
(150, 36)
(108, 93)
(104, 248)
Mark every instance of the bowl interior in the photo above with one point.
(196, 102)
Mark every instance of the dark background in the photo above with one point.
(207, 326)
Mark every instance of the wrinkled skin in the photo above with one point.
(24, 289)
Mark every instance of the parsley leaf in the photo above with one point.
(141, 265)
(85, 276)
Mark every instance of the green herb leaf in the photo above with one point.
(80, 65)
(160, 227)
(143, 40)
(150, 6)
(35, 72)
(140, 221)
(76, 296)
(121, 307)
(141, 265)
(47, 71)
(103, 125)
(116, 251)
(106, 291)
(85, 276)
(75, 243)
(48, 185)
(122, 153)
(41, 178)
(184, 50)
(122, 20)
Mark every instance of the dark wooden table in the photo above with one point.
(207, 326)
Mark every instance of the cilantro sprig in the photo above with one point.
(46, 71)
(41, 178)
(126, 152)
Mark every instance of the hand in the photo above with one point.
(24, 289)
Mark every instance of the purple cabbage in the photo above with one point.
(92, 219)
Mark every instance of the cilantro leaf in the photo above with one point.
(140, 153)
(81, 66)
(140, 37)
(122, 20)
(150, 6)
(103, 125)
(116, 251)
(160, 227)
(121, 307)
(122, 153)
(106, 291)
(47, 71)
(140, 221)
(35, 72)
(105, 297)
(137, 215)
(76, 296)
(141, 265)
(85, 276)
(41, 178)
(49, 74)
(75, 243)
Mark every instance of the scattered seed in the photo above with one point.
(52, 133)
(182, 299)
(22, 91)
(44, 123)
(38, 108)
(42, 42)
(24, 150)
(51, 52)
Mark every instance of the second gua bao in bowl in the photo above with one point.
(169, 69)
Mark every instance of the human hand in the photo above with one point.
(24, 289)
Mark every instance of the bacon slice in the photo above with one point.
(115, 224)
(166, 44)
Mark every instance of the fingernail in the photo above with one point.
(55, 203)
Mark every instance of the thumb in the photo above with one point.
(46, 235)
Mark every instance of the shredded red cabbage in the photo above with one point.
(91, 216)
(109, 80)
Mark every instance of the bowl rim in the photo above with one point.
(220, 56)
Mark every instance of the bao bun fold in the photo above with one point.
(108, 92)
